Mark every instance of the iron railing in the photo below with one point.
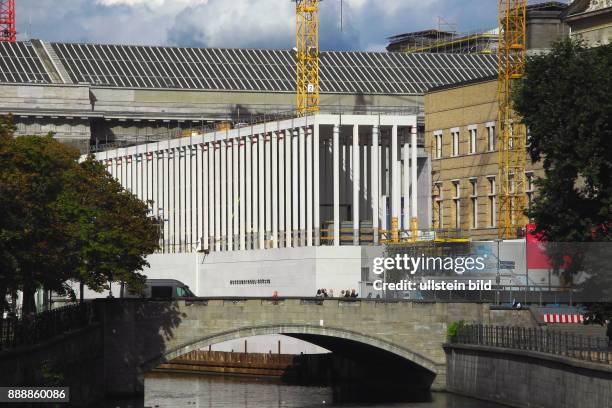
(556, 342)
(34, 329)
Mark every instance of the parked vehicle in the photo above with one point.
(162, 289)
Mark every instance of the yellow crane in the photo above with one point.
(511, 133)
(307, 56)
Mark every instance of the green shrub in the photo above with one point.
(453, 330)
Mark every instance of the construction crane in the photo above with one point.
(8, 32)
(307, 56)
(511, 132)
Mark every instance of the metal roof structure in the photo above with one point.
(19, 63)
(250, 70)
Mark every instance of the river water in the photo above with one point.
(198, 391)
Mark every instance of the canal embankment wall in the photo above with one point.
(521, 378)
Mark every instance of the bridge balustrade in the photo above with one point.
(581, 347)
(37, 328)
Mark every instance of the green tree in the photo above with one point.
(109, 229)
(564, 99)
(62, 220)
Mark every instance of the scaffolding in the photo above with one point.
(511, 132)
(307, 56)
(440, 41)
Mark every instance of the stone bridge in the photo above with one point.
(404, 338)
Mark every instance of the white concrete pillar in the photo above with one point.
(356, 168)
(217, 196)
(224, 209)
(316, 201)
(186, 200)
(281, 188)
(235, 193)
(248, 141)
(406, 186)
(211, 195)
(242, 197)
(375, 189)
(309, 194)
(199, 213)
(179, 187)
(288, 189)
(262, 197)
(205, 199)
(274, 190)
(336, 183)
(267, 165)
(395, 176)
(256, 181)
(230, 194)
(303, 195)
(176, 205)
(413, 169)
(295, 189)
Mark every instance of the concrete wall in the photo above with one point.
(289, 271)
(527, 379)
(594, 27)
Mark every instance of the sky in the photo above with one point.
(241, 23)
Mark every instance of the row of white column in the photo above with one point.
(260, 191)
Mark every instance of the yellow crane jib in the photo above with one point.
(307, 56)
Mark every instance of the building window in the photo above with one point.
(439, 204)
(457, 203)
(529, 190)
(492, 206)
(455, 139)
(473, 140)
(474, 199)
(491, 137)
(438, 144)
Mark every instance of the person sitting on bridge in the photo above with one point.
(353, 293)
(347, 293)
(319, 294)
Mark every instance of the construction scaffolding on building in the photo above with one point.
(440, 41)
(511, 132)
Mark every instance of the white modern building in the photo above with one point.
(289, 206)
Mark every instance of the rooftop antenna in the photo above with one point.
(341, 23)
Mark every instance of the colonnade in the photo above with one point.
(291, 183)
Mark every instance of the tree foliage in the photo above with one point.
(62, 220)
(564, 99)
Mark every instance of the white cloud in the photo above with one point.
(167, 4)
(239, 23)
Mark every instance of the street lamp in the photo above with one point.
(498, 277)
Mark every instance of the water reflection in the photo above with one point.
(175, 391)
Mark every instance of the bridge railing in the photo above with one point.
(37, 328)
(556, 342)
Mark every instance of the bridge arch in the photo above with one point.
(297, 329)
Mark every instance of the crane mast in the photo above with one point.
(511, 132)
(307, 56)
(8, 32)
